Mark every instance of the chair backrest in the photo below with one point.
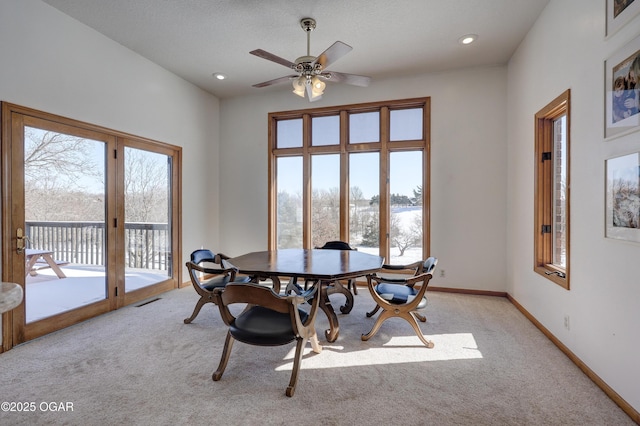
(430, 264)
(194, 268)
(253, 294)
(336, 245)
(202, 255)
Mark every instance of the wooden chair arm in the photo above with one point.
(221, 256)
(232, 271)
(422, 277)
(226, 315)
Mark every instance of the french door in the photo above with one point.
(90, 220)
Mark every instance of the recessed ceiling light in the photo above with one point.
(468, 39)
(219, 76)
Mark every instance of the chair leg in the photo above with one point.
(421, 317)
(228, 344)
(373, 312)
(196, 310)
(297, 360)
(315, 343)
(384, 315)
(412, 320)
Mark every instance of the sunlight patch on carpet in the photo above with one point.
(397, 350)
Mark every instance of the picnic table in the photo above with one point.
(41, 259)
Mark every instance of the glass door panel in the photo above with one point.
(364, 202)
(325, 199)
(405, 186)
(147, 218)
(64, 205)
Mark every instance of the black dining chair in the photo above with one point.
(214, 277)
(399, 297)
(269, 319)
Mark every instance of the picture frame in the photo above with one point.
(622, 90)
(622, 204)
(619, 12)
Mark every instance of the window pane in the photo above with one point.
(289, 133)
(325, 130)
(364, 202)
(405, 182)
(289, 202)
(147, 230)
(406, 124)
(559, 192)
(64, 196)
(364, 127)
(325, 199)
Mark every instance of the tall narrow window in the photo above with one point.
(552, 191)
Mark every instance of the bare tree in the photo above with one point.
(52, 155)
(146, 186)
(57, 168)
(325, 214)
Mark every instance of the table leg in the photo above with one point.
(54, 266)
(337, 287)
(31, 261)
(325, 304)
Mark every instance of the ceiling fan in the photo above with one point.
(311, 70)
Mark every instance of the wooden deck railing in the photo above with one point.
(147, 245)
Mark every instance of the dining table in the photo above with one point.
(319, 267)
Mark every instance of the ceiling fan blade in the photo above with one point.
(273, 58)
(275, 81)
(336, 51)
(340, 77)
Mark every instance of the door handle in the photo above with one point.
(22, 240)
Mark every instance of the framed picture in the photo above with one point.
(622, 90)
(619, 12)
(623, 197)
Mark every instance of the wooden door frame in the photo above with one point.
(12, 121)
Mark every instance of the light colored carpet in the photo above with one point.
(144, 366)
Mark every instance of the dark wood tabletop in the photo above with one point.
(309, 264)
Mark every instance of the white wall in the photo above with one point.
(468, 188)
(52, 63)
(566, 49)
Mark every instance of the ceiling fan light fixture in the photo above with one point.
(299, 86)
(315, 88)
(318, 85)
(312, 70)
(313, 94)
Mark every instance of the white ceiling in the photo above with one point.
(197, 38)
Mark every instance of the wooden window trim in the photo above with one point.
(543, 192)
(344, 148)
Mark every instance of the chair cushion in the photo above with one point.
(399, 294)
(215, 282)
(263, 326)
(221, 281)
